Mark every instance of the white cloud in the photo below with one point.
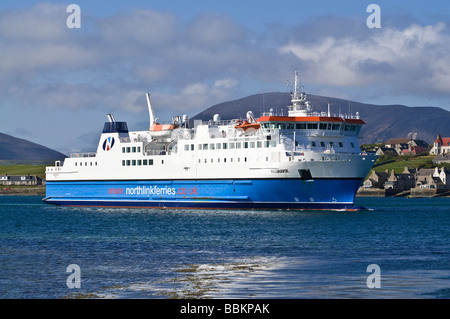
(32, 57)
(42, 22)
(132, 102)
(226, 83)
(111, 62)
(139, 26)
(215, 30)
(195, 89)
(402, 59)
(35, 41)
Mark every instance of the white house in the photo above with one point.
(441, 145)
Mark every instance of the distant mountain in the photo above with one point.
(16, 149)
(382, 121)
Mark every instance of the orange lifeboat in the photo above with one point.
(162, 130)
(247, 127)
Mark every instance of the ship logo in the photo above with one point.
(108, 143)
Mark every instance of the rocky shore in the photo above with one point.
(38, 190)
(413, 192)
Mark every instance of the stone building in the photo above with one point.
(403, 181)
(376, 179)
(433, 178)
(20, 180)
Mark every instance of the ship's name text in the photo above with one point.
(279, 171)
(153, 190)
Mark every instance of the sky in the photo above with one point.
(58, 82)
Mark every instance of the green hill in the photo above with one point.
(38, 170)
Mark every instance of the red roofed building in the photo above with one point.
(441, 145)
(414, 150)
(407, 146)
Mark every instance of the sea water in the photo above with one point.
(397, 248)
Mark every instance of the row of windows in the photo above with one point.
(311, 126)
(258, 144)
(231, 145)
(224, 160)
(331, 144)
(86, 163)
(138, 162)
(134, 149)
(218, 160)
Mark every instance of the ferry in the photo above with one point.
(304, 160)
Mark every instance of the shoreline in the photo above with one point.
(38, 190)
(411, 193)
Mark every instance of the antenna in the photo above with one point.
(296, 82)
(150, 110)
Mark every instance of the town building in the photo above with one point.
(403, 181)
(441, 158)
(423, 178)
(397, 144)
(20, 180)
(407, 146)
(441, 145)
(382, 151)
(433, 178)
(376, 179)
(414, 150)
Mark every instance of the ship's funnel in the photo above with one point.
(111, 118)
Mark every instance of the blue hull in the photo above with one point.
(209, 194)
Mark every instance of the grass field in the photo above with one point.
(400, 162)
(19, 169)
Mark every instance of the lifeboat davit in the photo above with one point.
(158, 130)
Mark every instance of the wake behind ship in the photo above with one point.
(305, 160)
